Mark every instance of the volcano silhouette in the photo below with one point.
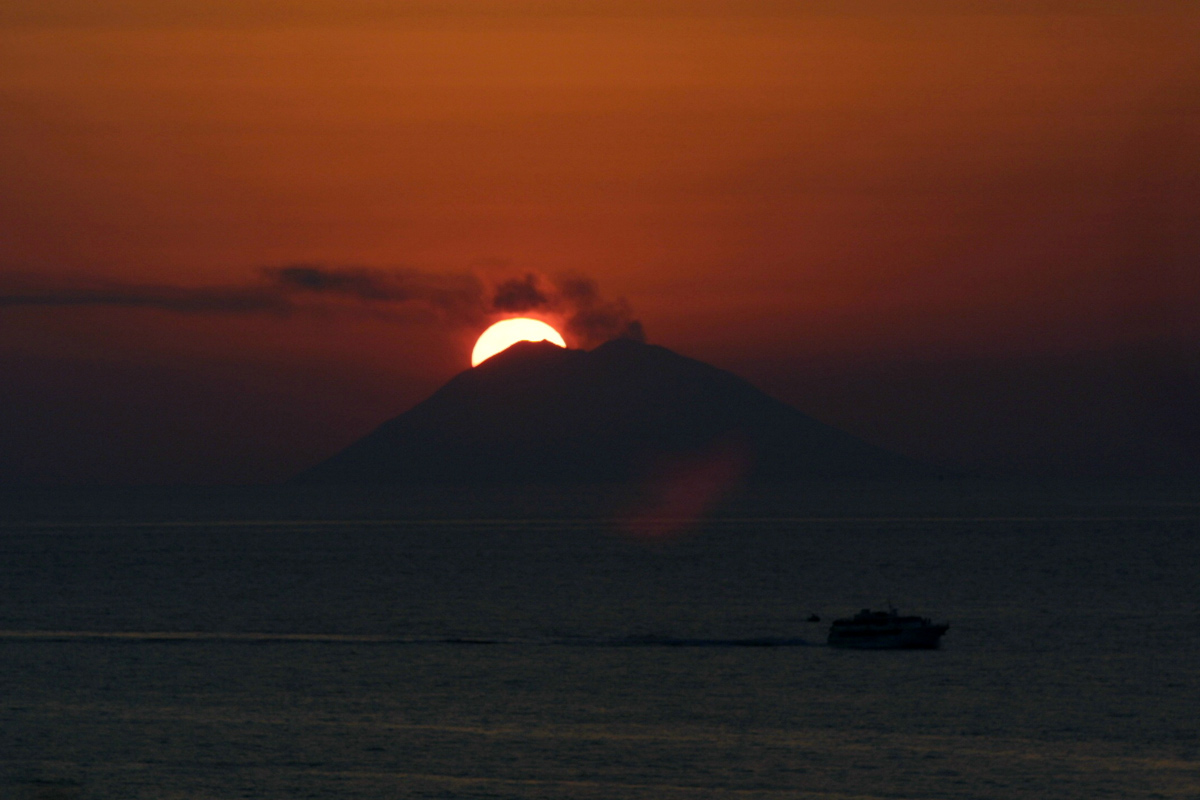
(541, 413)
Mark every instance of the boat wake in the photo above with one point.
(673, 641)
(160, 637)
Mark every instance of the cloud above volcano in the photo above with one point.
(452, 299)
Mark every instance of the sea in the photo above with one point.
(551, 643)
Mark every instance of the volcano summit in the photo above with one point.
(541, 413)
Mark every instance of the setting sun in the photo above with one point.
(506, 333)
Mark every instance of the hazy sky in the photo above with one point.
(966, 230)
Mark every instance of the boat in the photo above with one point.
(885, 630)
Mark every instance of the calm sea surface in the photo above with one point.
(206, 654)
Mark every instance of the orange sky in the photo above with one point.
(765, 187)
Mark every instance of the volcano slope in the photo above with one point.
(541, 413)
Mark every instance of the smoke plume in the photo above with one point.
(589, 317)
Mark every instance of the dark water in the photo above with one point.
(204, 655)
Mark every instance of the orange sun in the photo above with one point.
(507, 332)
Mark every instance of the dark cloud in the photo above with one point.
(278, 290)
(520, 295)
(445, 292)
(461, 299)
(456, 297)
(236, 300)
(356, 282)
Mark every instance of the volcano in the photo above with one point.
(541, 413)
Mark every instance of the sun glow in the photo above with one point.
(505, 333)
